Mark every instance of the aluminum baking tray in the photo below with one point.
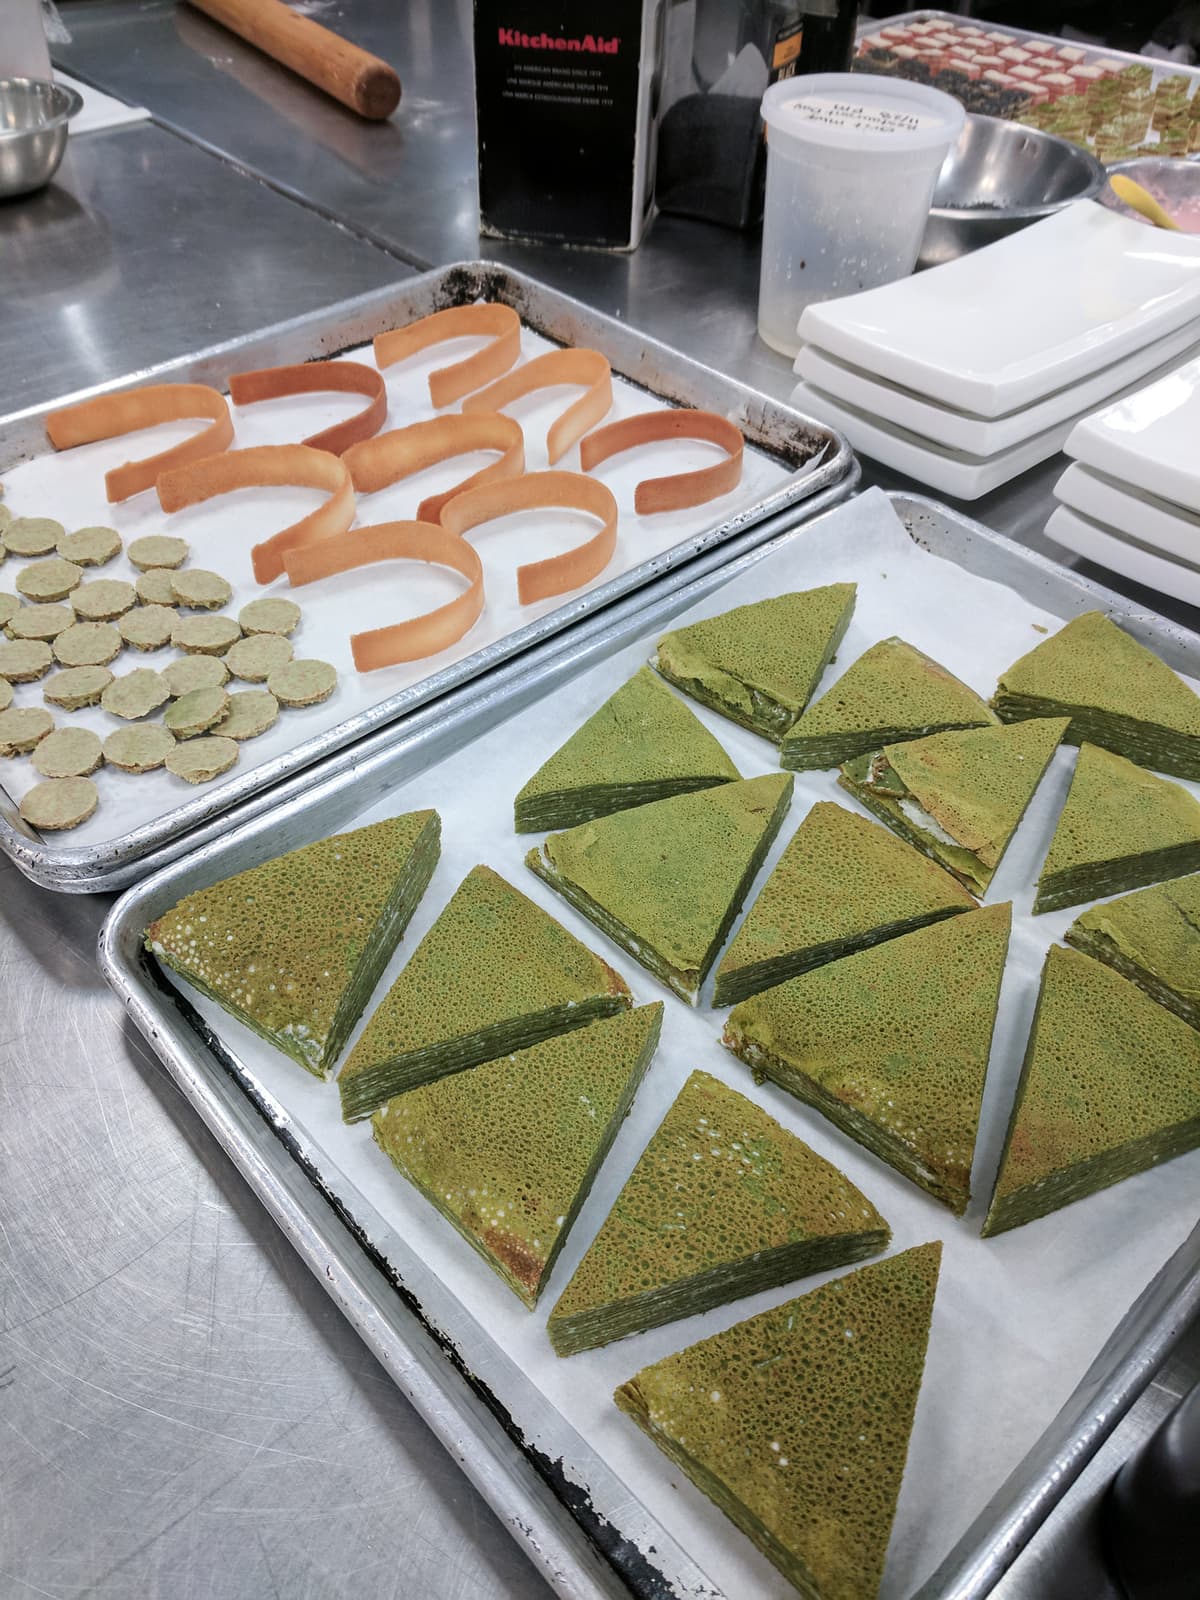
(818, 464)
(597, 1539)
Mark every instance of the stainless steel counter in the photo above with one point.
(185, 1416)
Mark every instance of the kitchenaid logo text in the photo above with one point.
(590, 44)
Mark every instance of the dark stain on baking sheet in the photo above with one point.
(639, 1575)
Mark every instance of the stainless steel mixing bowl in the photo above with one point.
(1001, 177)
(33, 132)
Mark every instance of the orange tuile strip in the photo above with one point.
(448, 384)
(587, 367)
(269, 466)
(110, 415)
(536, 490)
(680, 489)
(383, 461)
(398, 541)
(317, 377)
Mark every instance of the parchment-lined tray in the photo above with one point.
(790, 461)
(1018, 1318)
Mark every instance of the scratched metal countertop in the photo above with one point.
(183, 1414)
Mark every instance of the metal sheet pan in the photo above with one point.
(819, 459)
(450, 1369)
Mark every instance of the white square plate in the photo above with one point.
(952, 472)
(1086, 537)
(1149, 439)
(1015, 321)
(984, 436)
(1142, 517)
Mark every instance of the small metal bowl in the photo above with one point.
(33, 132)
(1175, 184)
(1001, 177)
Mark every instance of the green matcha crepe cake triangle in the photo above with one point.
(759, 664)
(293, 948)
(1117, 693)
(892, 692)
(495, 973)
(1151, 937)
(507, 1152)
(666, 880)
(1110, 1086)
(723, 1202)
(891, 1044)
(841, 884)
(643, 744)
(1121, 827)
(958, 797)
(796, 1423)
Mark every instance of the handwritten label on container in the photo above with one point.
(869, 118)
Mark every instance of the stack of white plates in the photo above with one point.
(1131, 497)
(966, 375)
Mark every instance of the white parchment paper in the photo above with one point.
(70, 487)
(1017, 1318)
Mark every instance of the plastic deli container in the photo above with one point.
(852, 161)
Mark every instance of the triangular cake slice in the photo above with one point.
(890, 693)
(841, 885)
(1117, 693)
(293, 948)
(723, 1202)
(1110, 1086)
(891, 1044)
(759, 664)
(1120, 828)
(507, 1151)
(495, 973)
(1151, 937)
(666, 880)
(958, 797)
(643, 744)
(796, 1423)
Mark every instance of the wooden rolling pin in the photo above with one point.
(352, 75)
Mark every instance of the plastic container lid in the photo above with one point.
(860, 114)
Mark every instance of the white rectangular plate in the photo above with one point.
(1146, 520)
(1149, 438)
(1095, 542)
(1009, 324)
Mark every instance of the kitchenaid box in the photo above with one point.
(566, 106)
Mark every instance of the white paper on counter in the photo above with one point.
(99, 110)
(70, 487)
(1018, 1318)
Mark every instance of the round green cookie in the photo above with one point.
(147, 627)
(154, 587)
(49, 580)
(103, 599)
(269, 615)
(195, 712)
(88, 644)
(157, 550)
(255, 659)
(9, 606)
(139, 749)
(6, 694)
(302, 683)
(33, 536)
(200, 760)
(206, 636)
(68, 753)
(60, 803)
(75, 687)
(23, 660)
(40, 622)
(90, 547)
(23, 727)
(251, 712)
(195, 672)
(136, 694)
(201, 589)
